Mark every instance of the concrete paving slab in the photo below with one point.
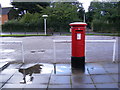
(92, 65)
(38, 74)
(8, 71)
(24, 87)
(102, 79)
(15, 79)
(1, 84)
(18, 73)
(36, 82)
(34, 89)
(97, 70)
(51, 87)
(14, 66)
(115, 77)
(4, 78)
(81, 79)
(12, 86)
(12, 89)
(63, 69)
(83, 86)
(108, 85)
(60, 80)
(78, 72)
(40, 79)
(109, 64)
(112, 70)
(47, 68)
(35, 86)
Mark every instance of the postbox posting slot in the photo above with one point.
(78, 30)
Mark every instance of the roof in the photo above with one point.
(5, 10)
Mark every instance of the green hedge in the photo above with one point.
(28, 23)
(101, 26)
(16, 26)
(35, 23)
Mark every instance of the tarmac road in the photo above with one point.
(40, 49)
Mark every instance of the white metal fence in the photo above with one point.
(87, 41)
(12, 44)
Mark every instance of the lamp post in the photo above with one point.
(45, 19)
(84, 16)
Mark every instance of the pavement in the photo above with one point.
(96, 76)
(100, 72)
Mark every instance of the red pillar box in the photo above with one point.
(78, 44)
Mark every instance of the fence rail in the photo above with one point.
(87, 41)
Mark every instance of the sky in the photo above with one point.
(86, 3)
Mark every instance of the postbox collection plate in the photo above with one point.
(78, 36)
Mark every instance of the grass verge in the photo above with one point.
(27, 35)
(22, 35)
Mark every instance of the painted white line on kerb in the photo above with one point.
(87, 41)
(15, 42)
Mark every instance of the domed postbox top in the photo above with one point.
(78, 24)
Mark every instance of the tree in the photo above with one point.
(31, 7)
(61, 14)
(80, 9)
(104, 13)
(102, 10)
(13, 14)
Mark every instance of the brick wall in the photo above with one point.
(4, 18)
(0, 19)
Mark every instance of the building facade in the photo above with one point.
(4, 14)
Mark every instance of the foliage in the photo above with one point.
(21, 8)
(31, 7)
(100, 26)
(28, 23)
(28, 18)
(13, 14)
(12, 25)
(60, 15)
(103, 16)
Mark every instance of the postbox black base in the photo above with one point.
(78, 63)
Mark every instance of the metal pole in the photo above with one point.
(54, 50)
(114, 49)
(84, 17)
(45, 25)
(22, 53)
